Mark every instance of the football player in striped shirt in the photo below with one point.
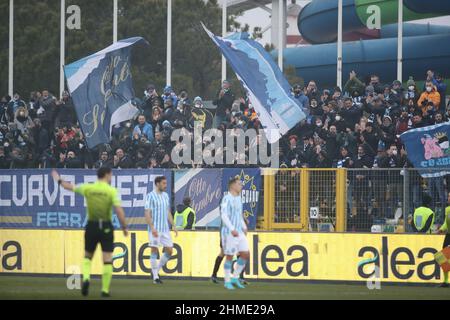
(233, 234)
(159, 217)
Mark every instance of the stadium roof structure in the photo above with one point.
(243, 5)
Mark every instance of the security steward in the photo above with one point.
(423, 218)
(184, 217)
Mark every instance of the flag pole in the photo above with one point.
(62, 47)
(281, 25)
(339, 46)
(169, 43)
(115, 9)
(224, 33)
(400, 42)
(11, 49)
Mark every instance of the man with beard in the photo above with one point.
(122, 160)
(375, 83)
(300, 96)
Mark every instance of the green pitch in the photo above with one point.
(18, 287)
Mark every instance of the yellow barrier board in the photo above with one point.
(274, 255)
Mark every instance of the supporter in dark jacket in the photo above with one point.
(4, 161)
(351, 113)
(224, 101)
(103, 161)
(65, 111)
(72, 161)
(40, 137)
(18, 159)
(122, 160)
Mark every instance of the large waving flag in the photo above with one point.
(268, 89)
(102, 90)
(428, 149)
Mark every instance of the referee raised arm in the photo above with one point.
(101, 198)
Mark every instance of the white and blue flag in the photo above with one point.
(102, 90)
(268, 89)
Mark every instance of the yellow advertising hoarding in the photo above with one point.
(274, 255)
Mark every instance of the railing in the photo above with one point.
(317, 200)
(358, 200)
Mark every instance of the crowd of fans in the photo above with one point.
(356, 127)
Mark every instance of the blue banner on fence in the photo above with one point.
(31, 199)
(251, 182)
(102, 90)
(267, 88)
(204, 187)
(428, 149)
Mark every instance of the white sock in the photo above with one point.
(240, 266)
(227, 270)
(154, 265)
(162, 262)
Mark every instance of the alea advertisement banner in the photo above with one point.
(273, 255)
(206, 187)
(32, 199)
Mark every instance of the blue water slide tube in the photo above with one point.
(428, 6)
(420, 53)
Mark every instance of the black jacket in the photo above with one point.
(224, 103)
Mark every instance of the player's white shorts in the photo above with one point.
(164, 239)
(233, 245)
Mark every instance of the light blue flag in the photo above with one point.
(102, 90)
(268, 89)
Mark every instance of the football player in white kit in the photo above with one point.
(158, 217)
(234, 234)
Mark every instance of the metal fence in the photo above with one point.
(304, 199)
(352, 200)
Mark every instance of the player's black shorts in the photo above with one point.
(446, 240)
(99, 232)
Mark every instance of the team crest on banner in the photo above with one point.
(251, 186)
(428, 149)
